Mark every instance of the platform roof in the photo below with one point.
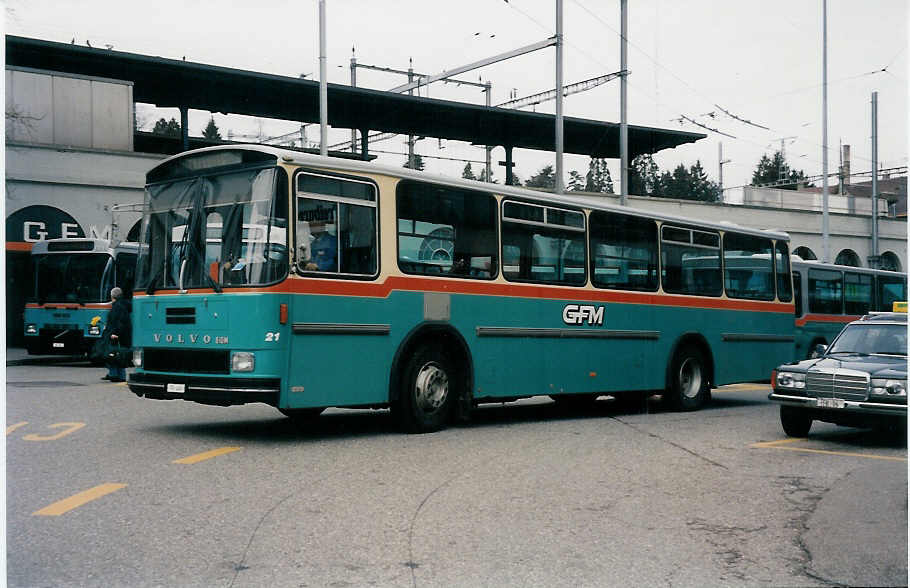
(177, 83)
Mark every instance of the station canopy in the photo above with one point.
(177, 83)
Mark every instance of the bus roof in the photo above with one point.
(349, 165)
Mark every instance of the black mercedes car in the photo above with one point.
(860, 380)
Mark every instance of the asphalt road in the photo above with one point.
(106, 489)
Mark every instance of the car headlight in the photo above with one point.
(94, 330)
(790, 380)
(137, 357)
(31, 329)
(883, 387)
(242, 361)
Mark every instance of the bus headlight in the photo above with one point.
(94, 330)
(883, 387)
(790, 380)
(242, 361)
(137, 357)
(31, 329)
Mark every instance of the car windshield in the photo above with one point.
(871, 338)
(214, 230)
(79, 277)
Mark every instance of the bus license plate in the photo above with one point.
(831, 403)
(58, 345)
(176, 388)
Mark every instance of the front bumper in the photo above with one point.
(214, 390)
(850, 406)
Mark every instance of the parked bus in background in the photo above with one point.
(373, 286)
(70, 299)
(829, 296)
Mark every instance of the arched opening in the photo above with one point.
(890, 261)
(805, 253)
(133, 234)
(848, 257)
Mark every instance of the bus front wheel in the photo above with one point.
(688, 386)
(428, 392)
(795, 421)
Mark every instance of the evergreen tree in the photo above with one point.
(545, 178)
(168, 128)
(687, 184)
(483, 176)
(418, 163)
(468, 172)
(576, 182)
(598, 178)
(771, 170)
(211, 131)
(644, 176)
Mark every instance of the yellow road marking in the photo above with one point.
(12, 428)
(745, 386)
(69, 428)
(77, 500)
(780, 445)
(206, 455)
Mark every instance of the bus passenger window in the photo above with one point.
(888, 290)
(748, 270)
(623, 252)
(690, 261)
(857, 293)
(782, 270)
(446, 231)
(798, 294)
(825, 291)
(543, 244)
(336, 226)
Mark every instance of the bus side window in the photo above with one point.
(782, 270)
(549, 242)
(857, 293)
(690, 261)
(623, 251)
(748, 268)
(825, 291)
(798, 294)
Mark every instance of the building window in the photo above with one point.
(848, 257)
(805, 253)
(889, 261)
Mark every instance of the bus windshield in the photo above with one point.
(78, 277)
(214, 230)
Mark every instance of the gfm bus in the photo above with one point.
(829, 296)
(70, 299)
(372, 286)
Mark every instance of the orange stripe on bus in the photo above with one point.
(826, 318)
(18, 246)
(417, 284)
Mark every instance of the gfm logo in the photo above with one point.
(579, 314)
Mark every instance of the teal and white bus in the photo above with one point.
(381, 287)
(829, 296)
(67, 309)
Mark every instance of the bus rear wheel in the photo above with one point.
(428, 392)
(795, 421)
(688, 386)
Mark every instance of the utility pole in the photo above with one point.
(488, 90)
(720, 169)
(353, 85)
(410, 93)
(559, 92)
(323, 87)
(826, 244)
(874, 260)
(623, 100)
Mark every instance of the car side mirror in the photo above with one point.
(819, 350)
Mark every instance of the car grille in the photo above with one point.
(197, 361)
(838, 385)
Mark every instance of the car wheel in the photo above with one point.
(428, 392)
(795, 421)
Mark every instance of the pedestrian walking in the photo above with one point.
(118, 332)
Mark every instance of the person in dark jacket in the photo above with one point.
(118, 331)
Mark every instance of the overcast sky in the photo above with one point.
(761, 61)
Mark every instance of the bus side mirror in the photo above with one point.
(819, 350)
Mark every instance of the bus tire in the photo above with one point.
(796, 421)
(429, 388)
(301, 415)
(688, 386)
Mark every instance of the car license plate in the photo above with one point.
(58, 345)
(831, 403)
(176, 388)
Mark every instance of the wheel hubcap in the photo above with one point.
(690, 377)
(431, 387)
